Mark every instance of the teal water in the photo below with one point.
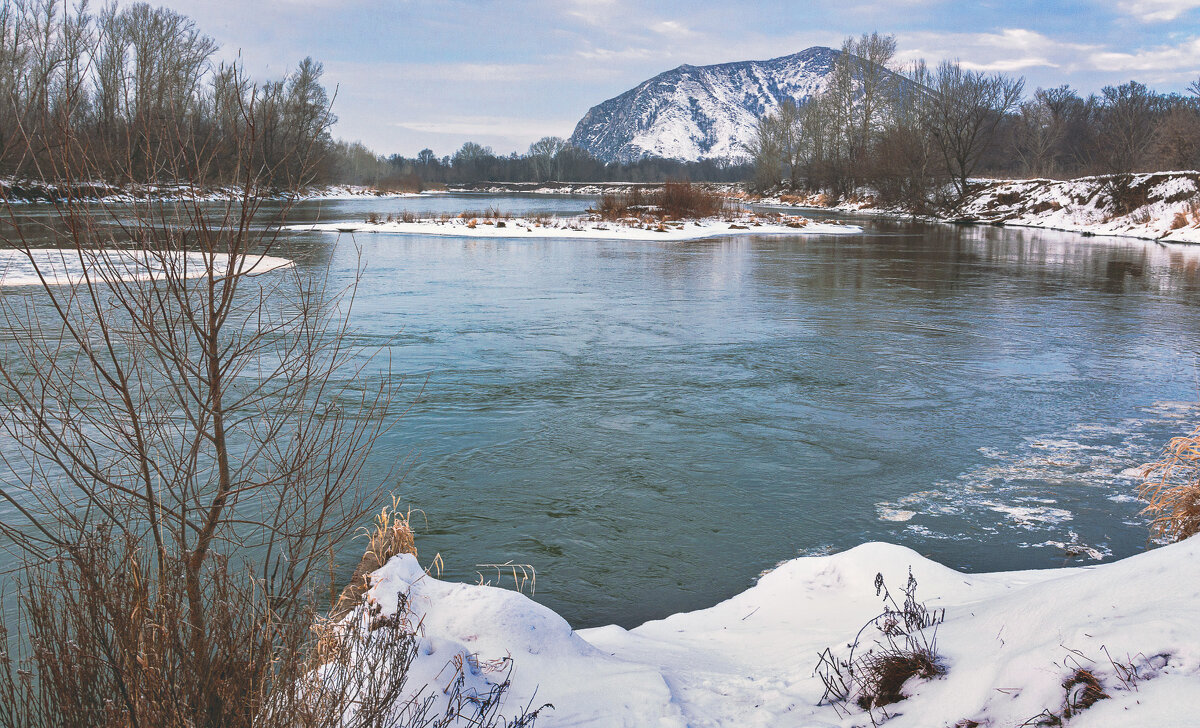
(651, 425)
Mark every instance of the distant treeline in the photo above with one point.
(549, 158)
(917, 136)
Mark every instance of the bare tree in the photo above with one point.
(1040, 131)
(1128, 116)
(191, 441)
(966, 109)
(544, 155)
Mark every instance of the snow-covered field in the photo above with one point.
(1154, 206)
(588, 228)
(68, 267)
(1008, 645)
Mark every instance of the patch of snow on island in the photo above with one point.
(71, 267)
(1009, 643)
(584, 228)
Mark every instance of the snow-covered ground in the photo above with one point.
(589, 228)
(22, 191)
(1154, 206)
(67, 267)
(1162, 206)
(1009, 643)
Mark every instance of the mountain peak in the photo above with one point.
(700, 112)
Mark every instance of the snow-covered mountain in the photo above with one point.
(700, 112)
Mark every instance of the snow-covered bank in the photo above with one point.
(586, 189)
(24, 191)
(1008, 644)
(67, 267)
(1153, 206)
(588, 228)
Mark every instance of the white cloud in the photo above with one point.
(1008, 51)
(1157, 11)
(503, 126)
(1163, 61)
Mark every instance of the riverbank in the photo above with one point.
(1015, 648)
(1162, 206)
(589, 227)
(25, 191)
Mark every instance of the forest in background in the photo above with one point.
(123, 88)
(916, 137)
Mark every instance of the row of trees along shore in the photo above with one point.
(916, 135)
(548, 159)
(130, 86)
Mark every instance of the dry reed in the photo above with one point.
(1172, 489)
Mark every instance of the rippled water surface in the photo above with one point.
(651, 425)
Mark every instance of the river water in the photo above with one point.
(651, 425)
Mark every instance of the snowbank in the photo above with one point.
(585, 228)
(1161, 206)
(1008, 643)
(67, 267)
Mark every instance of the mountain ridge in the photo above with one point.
(700, 112)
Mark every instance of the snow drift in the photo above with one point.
(1009, 644)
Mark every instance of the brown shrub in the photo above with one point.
(1180, 221)
(683, 200)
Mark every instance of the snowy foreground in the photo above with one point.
(1008, 644)
(1159, 206)
(70, 267)
(586, 228)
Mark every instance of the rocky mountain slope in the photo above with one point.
(700, 112)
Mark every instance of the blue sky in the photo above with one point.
(435, 73)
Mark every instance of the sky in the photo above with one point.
(411, 74)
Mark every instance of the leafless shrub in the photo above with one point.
(683, 200)
(188, 449)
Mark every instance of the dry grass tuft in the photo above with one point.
(886, 674)
(1083, 691)
(391, 534)
(1172, 489)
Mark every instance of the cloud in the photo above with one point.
(1157, 11)
(502, 126)
(1007, 51)
(1163, 61)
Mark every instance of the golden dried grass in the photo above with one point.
(1171, 487)
(391, 534)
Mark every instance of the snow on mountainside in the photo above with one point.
(700, 112)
